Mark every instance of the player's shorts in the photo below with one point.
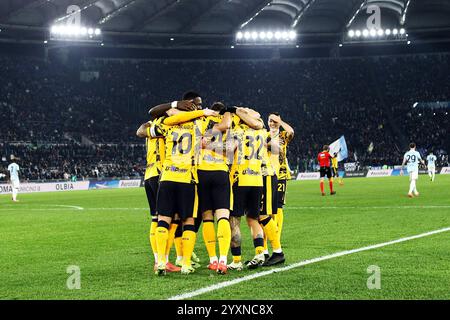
(214, 190)
(413, 175)
(177, 198)
(281, 193)
(325, 171)
(15, 184)
(335, 172)
(151, 190)
(269, 201)
(246, 201)
(432, 169)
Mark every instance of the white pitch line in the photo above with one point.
(225, 284)
(66, 206)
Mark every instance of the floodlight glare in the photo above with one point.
(285, 35)
(365, 33)
(351, 33)
(247, 35)
(395, 32)
(373, 33)
(292, 35)
(277, 35)
(388, 32)
(358, 33)
(262, 35)
(402, 31)
(380, 32)
(239, 35)
(97, 31)
(254, 35)
(55, 29)
(270, 35)
(90, 31)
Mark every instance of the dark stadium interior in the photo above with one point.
(57, 123)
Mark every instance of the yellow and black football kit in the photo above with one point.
(178, 183)
(246, 172)
(214, 189)
(155, 158)
(334, 166)
(269, 202)
(279, 161)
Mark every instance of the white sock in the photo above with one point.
(412, 186)
(15, 191)
(156, 257)
(278, 251)
(213, 259)
(223, 259)
(266, 251)
(179, 258)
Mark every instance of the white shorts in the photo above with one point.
(15, 184)
(432, 169)
(413, 175)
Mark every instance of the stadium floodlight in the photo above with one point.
(409, 42)
(239, 35)
(270, 35)
(373, 33)
(395, 32)
(72, 32)
(278, 35)
(365, 33)
(351, 33)
(254, 35)
(90, 31)
(358, 33)
(380, 32)
(262, 35)
(402, 31)
(387, 32)
(97, 31)
(292, 35)
(247, 35)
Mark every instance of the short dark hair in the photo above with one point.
(217, 106)
(326, 147)
(412, 145)
(274, 113)
(189, 95)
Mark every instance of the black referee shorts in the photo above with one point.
(151, 190)
(325, 171)
(246, 201)
(176, 197)
(269, 201)
(214, 190)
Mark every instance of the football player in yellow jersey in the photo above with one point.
(214, 190)
(246, 175)
(269, 208)
(335, 168)
(177, 192)
(278, 150)
(155, 157)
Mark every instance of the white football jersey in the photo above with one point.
(412, 158)
(13, 169)
(431, 159)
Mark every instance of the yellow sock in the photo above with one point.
(280, 218)
(179, 246)
(173, 228)
(271, 230)
(162, 235)
(259, 250)
(266, 248)
(223, 236)
(189, 237)
(209, 237)
(152, 236)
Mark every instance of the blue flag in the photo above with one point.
(340, 147)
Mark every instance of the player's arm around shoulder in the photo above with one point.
(144, 130)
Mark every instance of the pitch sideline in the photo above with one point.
(300, 264)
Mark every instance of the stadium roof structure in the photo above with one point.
(215, 22)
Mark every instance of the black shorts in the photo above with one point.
(335, 172)
(246, 201)
(269, 201)
(281, 193)
(151, 189)
(325, 171)
(176, 197)
(214, 190)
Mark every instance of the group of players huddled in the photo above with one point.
(214, 165)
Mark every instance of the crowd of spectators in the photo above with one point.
(59, 125)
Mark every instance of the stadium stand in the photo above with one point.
(60, 125)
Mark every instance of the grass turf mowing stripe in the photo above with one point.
(300, 264)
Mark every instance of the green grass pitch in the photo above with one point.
(40, 237)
